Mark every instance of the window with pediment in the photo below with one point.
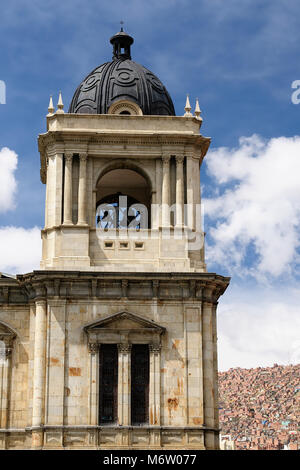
(123, 343)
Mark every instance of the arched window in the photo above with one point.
(123, 201)
(121, 211)
(125, 107)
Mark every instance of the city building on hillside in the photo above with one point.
(260, 408)
(226, 442)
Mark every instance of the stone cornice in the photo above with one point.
(79, 427)
(119, 143)
(11, 292)
(128, 138)
(77, 285)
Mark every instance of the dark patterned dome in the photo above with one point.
(121, 79)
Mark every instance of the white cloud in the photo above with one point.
(8, 184)
(259, 328)
(258, 206)
(20, 249)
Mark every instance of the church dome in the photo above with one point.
(122, 81)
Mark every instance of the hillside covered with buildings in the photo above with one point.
(260, 408)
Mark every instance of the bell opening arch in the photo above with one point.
(123, 197)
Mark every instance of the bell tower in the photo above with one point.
(122, 175)
(123, 279)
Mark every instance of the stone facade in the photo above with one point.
(165, 151)
(112, 288)
(52, 366)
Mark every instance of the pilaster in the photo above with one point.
(94, 383)
(154, 384)
(68, 189)
(179, 191)
(124, 384)
(166, 191)
(82, 209)
(39, 373)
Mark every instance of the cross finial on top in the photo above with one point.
(121, 23)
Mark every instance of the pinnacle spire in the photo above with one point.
(187, 107)
(197, 111)
(50, 107)
(60, 104)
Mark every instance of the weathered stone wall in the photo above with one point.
(166, 151)
(54, 395)
(14, 370)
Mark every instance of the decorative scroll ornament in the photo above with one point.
(154, 348)
(124, 348)
(93, 348)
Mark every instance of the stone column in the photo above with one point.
(30, 362)
(56, 333)
(197, 181)
(158, 184)
(190, 193)
(54, 196)
(153, 212)
(215, 365)
(68, 189)
(39, 372)
(2, 365)
(94, 199)
(124, 384)
(208, 374)
(179, 191)
(197, 197)
(5, 366)
(94, 380)
(47, 191)
(194, 362)
(82, 212)
(166, 191)
(154, 385)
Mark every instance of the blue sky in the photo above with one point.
(239, 57)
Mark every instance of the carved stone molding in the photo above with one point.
(7, 337)
(124, 287)
(155, 286)
(179, 159)
(8, 352)
(125, 105)
(57, 287)
(40, 291)
(154, 348)
(83, 157)
(124, 329)
(94, 283)
(124, 348)
(93, 348)
(41, 302)
(5, 350)
(166, 159)
(46, 285)
(192, 288)
(5, 293)
(69, 157)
